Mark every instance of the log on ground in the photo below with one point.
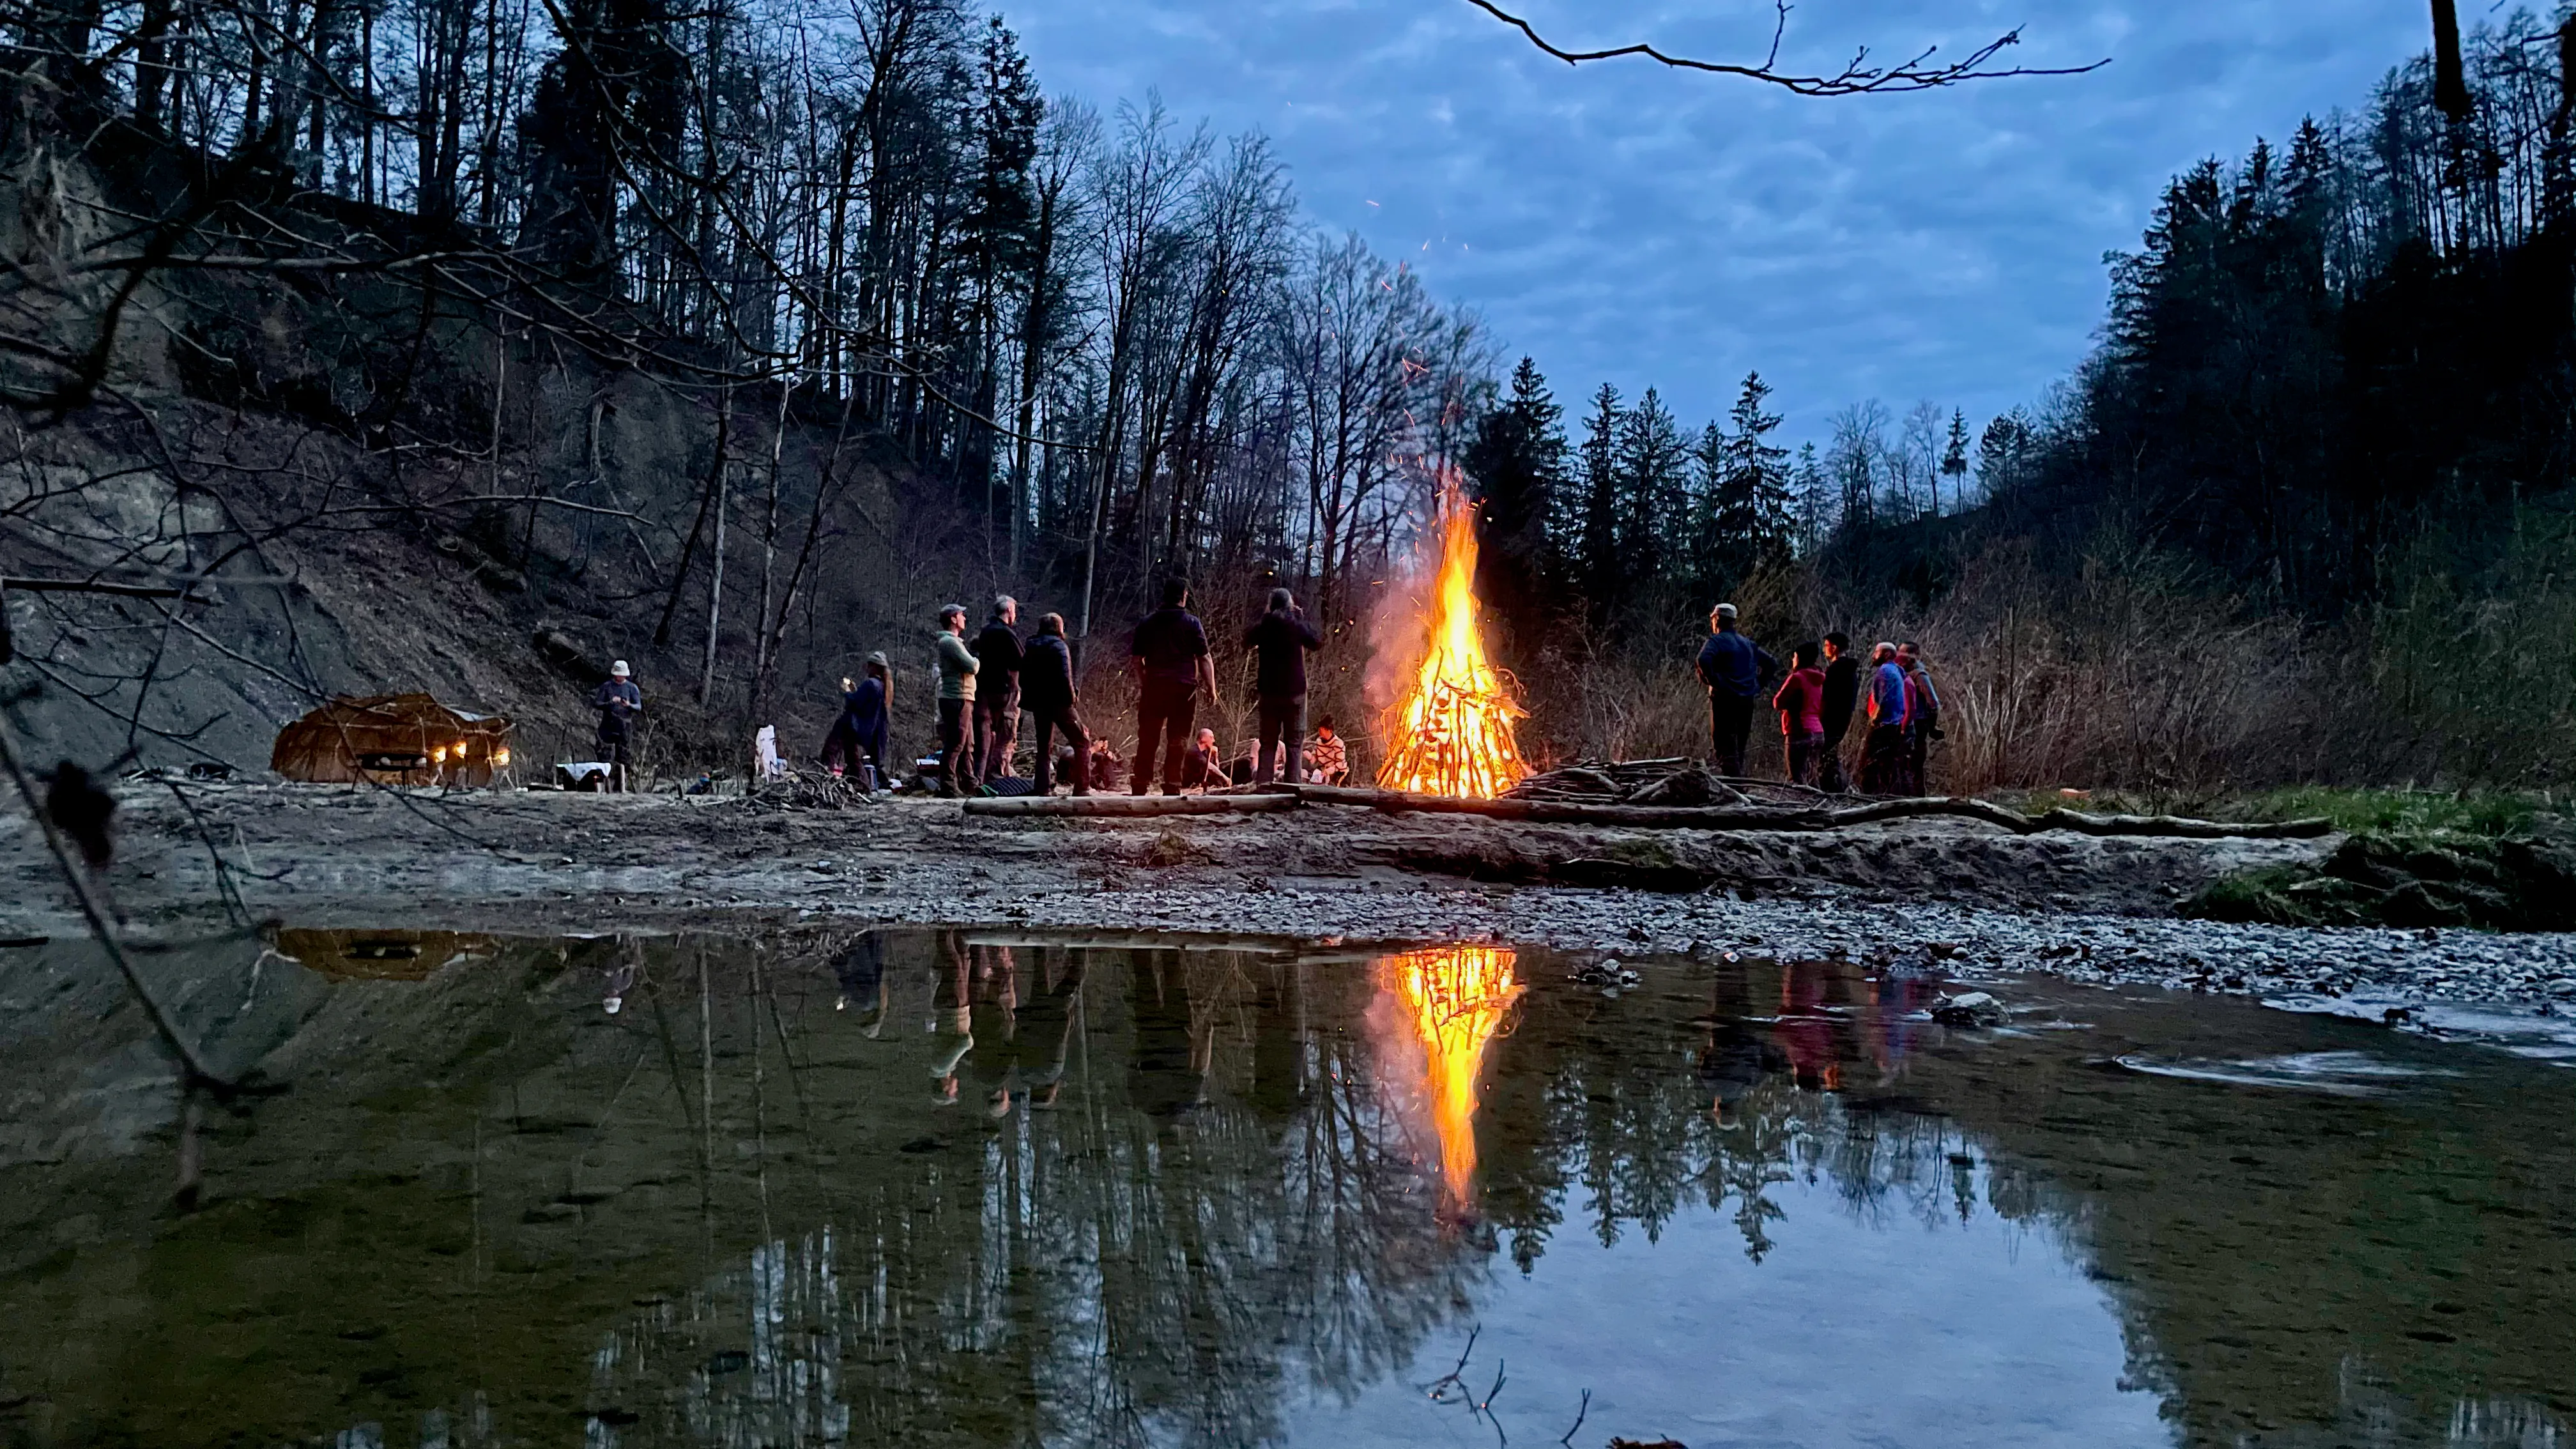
(1131, 806)
(1701, 817)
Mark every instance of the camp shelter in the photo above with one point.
(396, 739)
(382, 955)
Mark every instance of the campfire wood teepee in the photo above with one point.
(1451, 733)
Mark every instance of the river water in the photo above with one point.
(934, 1189)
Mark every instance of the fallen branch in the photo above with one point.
(1727, 817)
(1129, 806)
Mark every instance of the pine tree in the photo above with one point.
(1654, 491)
(1954, 462)
(617, 83)
(1516, 471)
(1597, 555)
(1747, 487)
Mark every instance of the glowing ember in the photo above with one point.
(1452, 732)
(1459, 997)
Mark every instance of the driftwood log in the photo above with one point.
(1819, 817)
(1131, 806)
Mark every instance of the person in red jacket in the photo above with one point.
(1801, 702)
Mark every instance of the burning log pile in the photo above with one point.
(1451, 734)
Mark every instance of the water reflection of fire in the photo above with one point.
(1459, 998)
(1451, 734)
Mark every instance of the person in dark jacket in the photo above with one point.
(1922, 715)
(1281, 639)
(1842, 697)
(618, 702)
(1046, 689)
(1170, 656)
(858, 738)
(997, 689)
(1734, 668)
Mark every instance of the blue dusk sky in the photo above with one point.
(1627, 224)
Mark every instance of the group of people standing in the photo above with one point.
(1817, 700)
(984, 684)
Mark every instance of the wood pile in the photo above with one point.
(1673, 782)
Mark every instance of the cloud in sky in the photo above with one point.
(1627, 224)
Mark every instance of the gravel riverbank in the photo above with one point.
(1958, 894)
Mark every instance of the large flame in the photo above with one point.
(1459, 997)
(1451, 734)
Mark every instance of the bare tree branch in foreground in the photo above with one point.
(1857, 77)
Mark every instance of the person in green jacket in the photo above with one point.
(957, 665)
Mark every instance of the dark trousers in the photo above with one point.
(1918, 746)
(1882, 761)
(619, 752)
(1283, 724)
(956, 753)
(1059, 720)
(1806, 748)
(1164, 714)
(997, 730)
(1730, 730)
(1829, 763)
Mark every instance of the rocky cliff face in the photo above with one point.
(363, 485)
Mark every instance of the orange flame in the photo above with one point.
(1459, 997)
(1452, 732)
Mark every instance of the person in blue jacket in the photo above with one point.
(1736, 671)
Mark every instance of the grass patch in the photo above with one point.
(2485, 814)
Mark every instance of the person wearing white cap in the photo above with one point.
(1734, 668)
(618, 702)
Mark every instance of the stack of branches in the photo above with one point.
(1675, 781)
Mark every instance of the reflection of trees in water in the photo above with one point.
(1217, 1207)
(1645, 1114)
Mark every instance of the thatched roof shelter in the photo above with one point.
(394, 739)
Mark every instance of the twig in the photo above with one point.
(101, 927)
(1856, 78)
(1455, 1378)
(1580, 1411)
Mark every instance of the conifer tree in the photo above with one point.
(1954, 461)
(1597, 532)
(1654, 489)
(1516, 469)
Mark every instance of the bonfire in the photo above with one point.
(1451, 733)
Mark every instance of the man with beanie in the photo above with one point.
(1281, 639)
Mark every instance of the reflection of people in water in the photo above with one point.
(622, 976)
(1899, 1005)
(951, 1024)
(1806, 1030)
(1733, 1057)
(861, 970)
(1167, 1077)
(1036, 1056)
(996, 1022)
(1278, 1046)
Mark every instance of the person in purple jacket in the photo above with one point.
(1882, 759)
